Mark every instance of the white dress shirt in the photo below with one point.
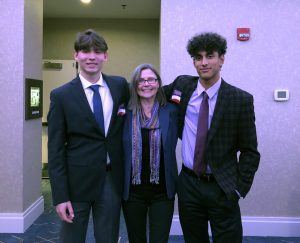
(106, 99)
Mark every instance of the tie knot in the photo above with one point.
(205, 96)
(95, 87)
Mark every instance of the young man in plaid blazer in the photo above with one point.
(224, 148)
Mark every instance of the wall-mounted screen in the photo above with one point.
(33, 98)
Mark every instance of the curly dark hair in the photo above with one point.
(90, 40)
(208, 42)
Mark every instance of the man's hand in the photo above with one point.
(65, 211)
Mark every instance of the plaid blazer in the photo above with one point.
(231, 147)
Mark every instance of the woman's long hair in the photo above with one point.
(134, 102)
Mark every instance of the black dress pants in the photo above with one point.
(105, 213)
(200, 202)
(150, 205)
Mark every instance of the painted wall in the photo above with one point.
(130, 42)
(11, 99)
(270, 60)
(20, 144)
(32, 135)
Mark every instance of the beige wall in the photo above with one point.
(11, 123)
(130, 41)
(20, 144)
(32, 135)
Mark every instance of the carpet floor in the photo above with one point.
(46, 228)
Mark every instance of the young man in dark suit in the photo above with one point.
(84, 144)
(219, 145)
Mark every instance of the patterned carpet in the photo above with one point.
(46, 229)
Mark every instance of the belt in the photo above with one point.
(108, 167)
(202, 177)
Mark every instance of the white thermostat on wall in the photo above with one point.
(281, 94)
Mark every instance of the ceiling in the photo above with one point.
(133, 9)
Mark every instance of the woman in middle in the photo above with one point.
(149, 138)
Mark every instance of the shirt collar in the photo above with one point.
(86, 84)
(212, 91)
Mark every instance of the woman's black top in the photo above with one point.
(145, 174)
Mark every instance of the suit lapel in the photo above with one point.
(164, 123)
(128, 145)
(189, 88)
(220, 107)
(114, 94)
(80, 98)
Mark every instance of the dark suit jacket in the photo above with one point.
(168, 116)
(232, 130)
(77, 149)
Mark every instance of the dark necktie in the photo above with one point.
(200, 164)
(97, 107)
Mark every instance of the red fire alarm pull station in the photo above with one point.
(243, 34)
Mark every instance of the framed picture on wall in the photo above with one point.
(33, 98)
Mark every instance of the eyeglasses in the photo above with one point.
(149, 80)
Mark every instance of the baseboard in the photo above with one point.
(20, 222)
(259, 226)
(271, 226)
